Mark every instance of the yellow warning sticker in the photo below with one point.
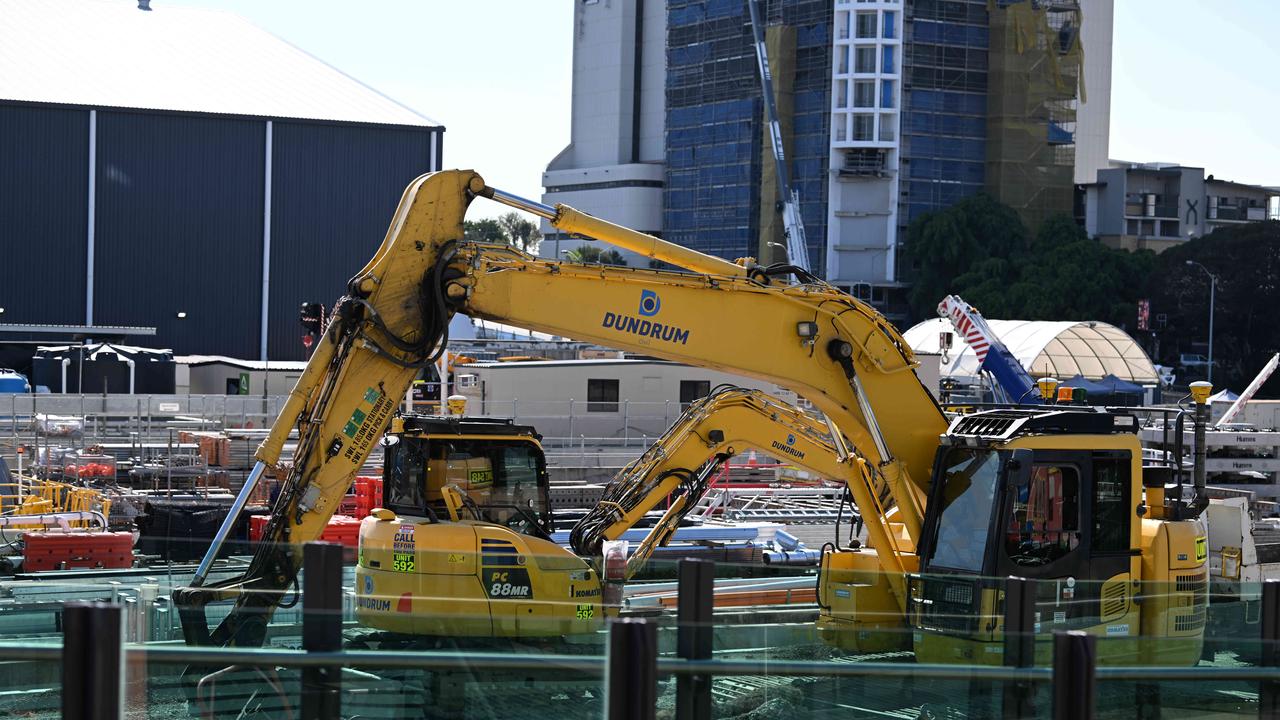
(1202, 548)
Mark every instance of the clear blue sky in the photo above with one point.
(1192, 80)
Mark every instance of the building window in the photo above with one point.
(864, 93)
(602, 395)
(1110, 506)
(886, 94)
(842, 60)
(864, 127)
(838, 122)
(864, 60)
(890, 31)
(1045, 523)
(691, 390)
(887, 128)
(888, 66)
(866, 25)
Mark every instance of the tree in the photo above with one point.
(589, 254)
(980, 250)
(486, 230)
(520, 231)
(510, 229)
(958, 242)
(1246, 261)
(1068, 276)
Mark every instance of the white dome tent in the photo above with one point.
(1057, 349)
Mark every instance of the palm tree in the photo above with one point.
(592, 254)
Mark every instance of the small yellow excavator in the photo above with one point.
(452, 485)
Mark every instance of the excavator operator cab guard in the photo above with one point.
(496, 465)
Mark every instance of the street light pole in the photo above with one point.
(1213, 287)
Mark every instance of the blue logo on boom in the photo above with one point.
(791, 439)
(650, 303)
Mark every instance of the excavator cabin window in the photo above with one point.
(1044, 524)
(505, 480)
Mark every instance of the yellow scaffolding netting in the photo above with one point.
(1034, 85)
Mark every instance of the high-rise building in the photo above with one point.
(613, 165)
(721, 195)
(889, 109)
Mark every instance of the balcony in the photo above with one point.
(1226, 212)
(1158, 211)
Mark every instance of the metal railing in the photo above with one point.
(94, 655)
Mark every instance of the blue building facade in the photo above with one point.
(715, 128)
(944, 105)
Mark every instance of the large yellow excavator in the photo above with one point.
(971, 496)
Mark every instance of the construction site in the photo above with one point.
(293, 438)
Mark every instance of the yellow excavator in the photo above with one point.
(919, 481)
(454, 484)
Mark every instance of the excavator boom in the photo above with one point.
(678, 467)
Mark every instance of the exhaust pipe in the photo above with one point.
(1200, 395)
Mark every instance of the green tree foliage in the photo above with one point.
(486, 230)
(510, 229)
(1246, 261)
(980, 250)
(589, 254)
(977, 239)
(520, 231)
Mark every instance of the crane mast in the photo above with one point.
(788, 197)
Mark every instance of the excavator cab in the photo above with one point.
(1054, 496)
(496, 466)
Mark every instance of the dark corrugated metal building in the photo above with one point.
(151, 177)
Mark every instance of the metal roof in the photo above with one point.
(108, 53)
(76, 329)
(1060, 349)
(281, 365)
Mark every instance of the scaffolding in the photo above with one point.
(944, 105)
(716, 139)
(1035, 79)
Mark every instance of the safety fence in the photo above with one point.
(634, 673)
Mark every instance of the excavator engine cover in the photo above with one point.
(471, 579)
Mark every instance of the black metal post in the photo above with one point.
(92, 661)
(694, 635)
(631, 671)
(322, 628)
(1075, 657)
(1269, 693)
(1019, 644)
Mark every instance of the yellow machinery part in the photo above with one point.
(471, 579)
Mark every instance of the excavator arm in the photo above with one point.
(837, 352)
(678, 467)
(391, 323)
